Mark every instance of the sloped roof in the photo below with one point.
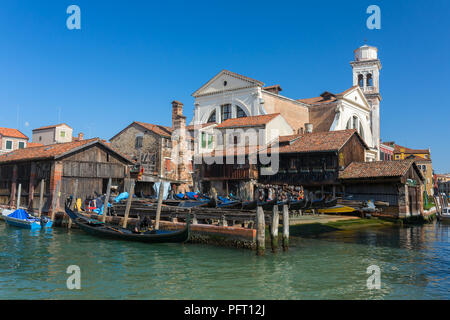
(12, 133)
(200, 125)
(53, 151)
(248, 121)
(52, 126)
(377, 169)
(401, 149)
(155, 128)
(326, 97)
(34, 144)
(316, 142)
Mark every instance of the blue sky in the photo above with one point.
(132, 58)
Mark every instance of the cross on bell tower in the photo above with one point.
(366, 74)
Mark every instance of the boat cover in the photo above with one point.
(192, 195)
(20, 214)
(166, 186)
(122, 196)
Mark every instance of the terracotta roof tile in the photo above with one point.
(49, 151)
(200, 125)
(156, 128)
(12, 133)
(34, 144)
(376, 169)
(325, 97)
(315, 142)
(401, 149)
(52, 126)
(248, 121)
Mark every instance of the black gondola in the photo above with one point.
(101, 229)
(249, 205)
(298, 204)
(268, 205)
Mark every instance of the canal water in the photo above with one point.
(414, 263)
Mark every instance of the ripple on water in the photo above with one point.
(413, 261)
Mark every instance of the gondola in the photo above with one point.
(105, 230)
(297, 204)
(249, 205)
(268, 205)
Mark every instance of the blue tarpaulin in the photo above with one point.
(19, 214)
(122, 196)
(192, 195)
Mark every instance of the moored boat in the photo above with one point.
(444, 216)
(100, 229)
(20, 218)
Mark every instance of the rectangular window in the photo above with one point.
(21, 145)
(203, 140)
(63, 134)
(226, 112)
(9, 145)
(210, 140)
(138, 142)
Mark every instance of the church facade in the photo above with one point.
(229, 95)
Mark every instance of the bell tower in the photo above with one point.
(366, 74)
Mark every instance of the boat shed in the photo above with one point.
(398, 182)
(90, 162)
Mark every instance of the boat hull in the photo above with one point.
(33, 225)
(103, 230)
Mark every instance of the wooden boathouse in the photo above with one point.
(53, 169)
(398, 182)
(314, 160)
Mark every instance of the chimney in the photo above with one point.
(80, 136)
(308, 127)
(274, 89)
(177, 115)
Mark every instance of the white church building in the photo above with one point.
(229, 95)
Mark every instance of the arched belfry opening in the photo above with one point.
(360, 80)
(369, 80)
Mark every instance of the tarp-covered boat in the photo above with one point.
(105, 230)
(20, 218)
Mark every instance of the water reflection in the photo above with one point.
(414, 264)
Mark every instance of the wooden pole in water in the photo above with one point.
(127, 208)
(158, 208)
(74, 202)
(55, 200)
(285, 227)
(274, 228)
(19, 190)
(260, 231)
(41, 197)
(105, 205)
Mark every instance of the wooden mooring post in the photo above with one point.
(158, 208)
(260, 231)
(274, 228)
(41, 197)
(285, 227)
(127, 209)
(19, 191)
(106, 203)
(74, 203)
(55, 200)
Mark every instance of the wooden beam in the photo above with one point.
(285, 227)
(105, 204)
(55, 200)
(74, 203)
(19, 191)
(260, 231)
(274, 228)
(127, 209)
(160, 200)
(41, 197)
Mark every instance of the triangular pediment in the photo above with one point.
(356, 96)
(226, 81)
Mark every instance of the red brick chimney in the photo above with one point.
(80, 136)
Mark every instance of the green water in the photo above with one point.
(414, 263)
